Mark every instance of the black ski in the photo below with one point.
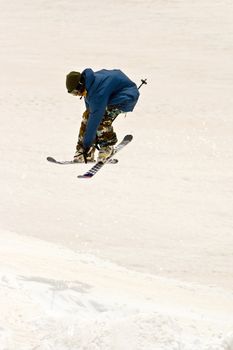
(91, 172)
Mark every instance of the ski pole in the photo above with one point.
(143, 81)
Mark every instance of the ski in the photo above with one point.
(91, 172)
(67, 162)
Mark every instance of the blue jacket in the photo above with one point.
(106, 88)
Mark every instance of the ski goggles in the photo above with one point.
(75, 92)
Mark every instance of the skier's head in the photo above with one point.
(75, 83)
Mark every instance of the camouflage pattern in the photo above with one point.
(105, 135)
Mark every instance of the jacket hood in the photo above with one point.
(89, 77)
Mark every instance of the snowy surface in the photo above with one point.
(141, 256)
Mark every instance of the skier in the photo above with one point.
(107, 93)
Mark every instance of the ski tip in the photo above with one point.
(51, 159)
(84, 176)
(128, 137)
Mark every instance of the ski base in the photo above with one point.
(67, 162)
(91, 172)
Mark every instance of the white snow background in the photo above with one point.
(141, 256)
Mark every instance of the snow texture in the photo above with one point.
(141, 256)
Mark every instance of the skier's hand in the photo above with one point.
(80, 154)
(86, 152)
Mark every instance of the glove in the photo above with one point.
(86, 152)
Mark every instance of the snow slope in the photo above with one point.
(141, 256)
(52, 298)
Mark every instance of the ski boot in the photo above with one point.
(78, 157)
(105, 153)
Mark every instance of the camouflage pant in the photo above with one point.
(105, 135)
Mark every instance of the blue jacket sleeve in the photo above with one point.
(97, 110)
